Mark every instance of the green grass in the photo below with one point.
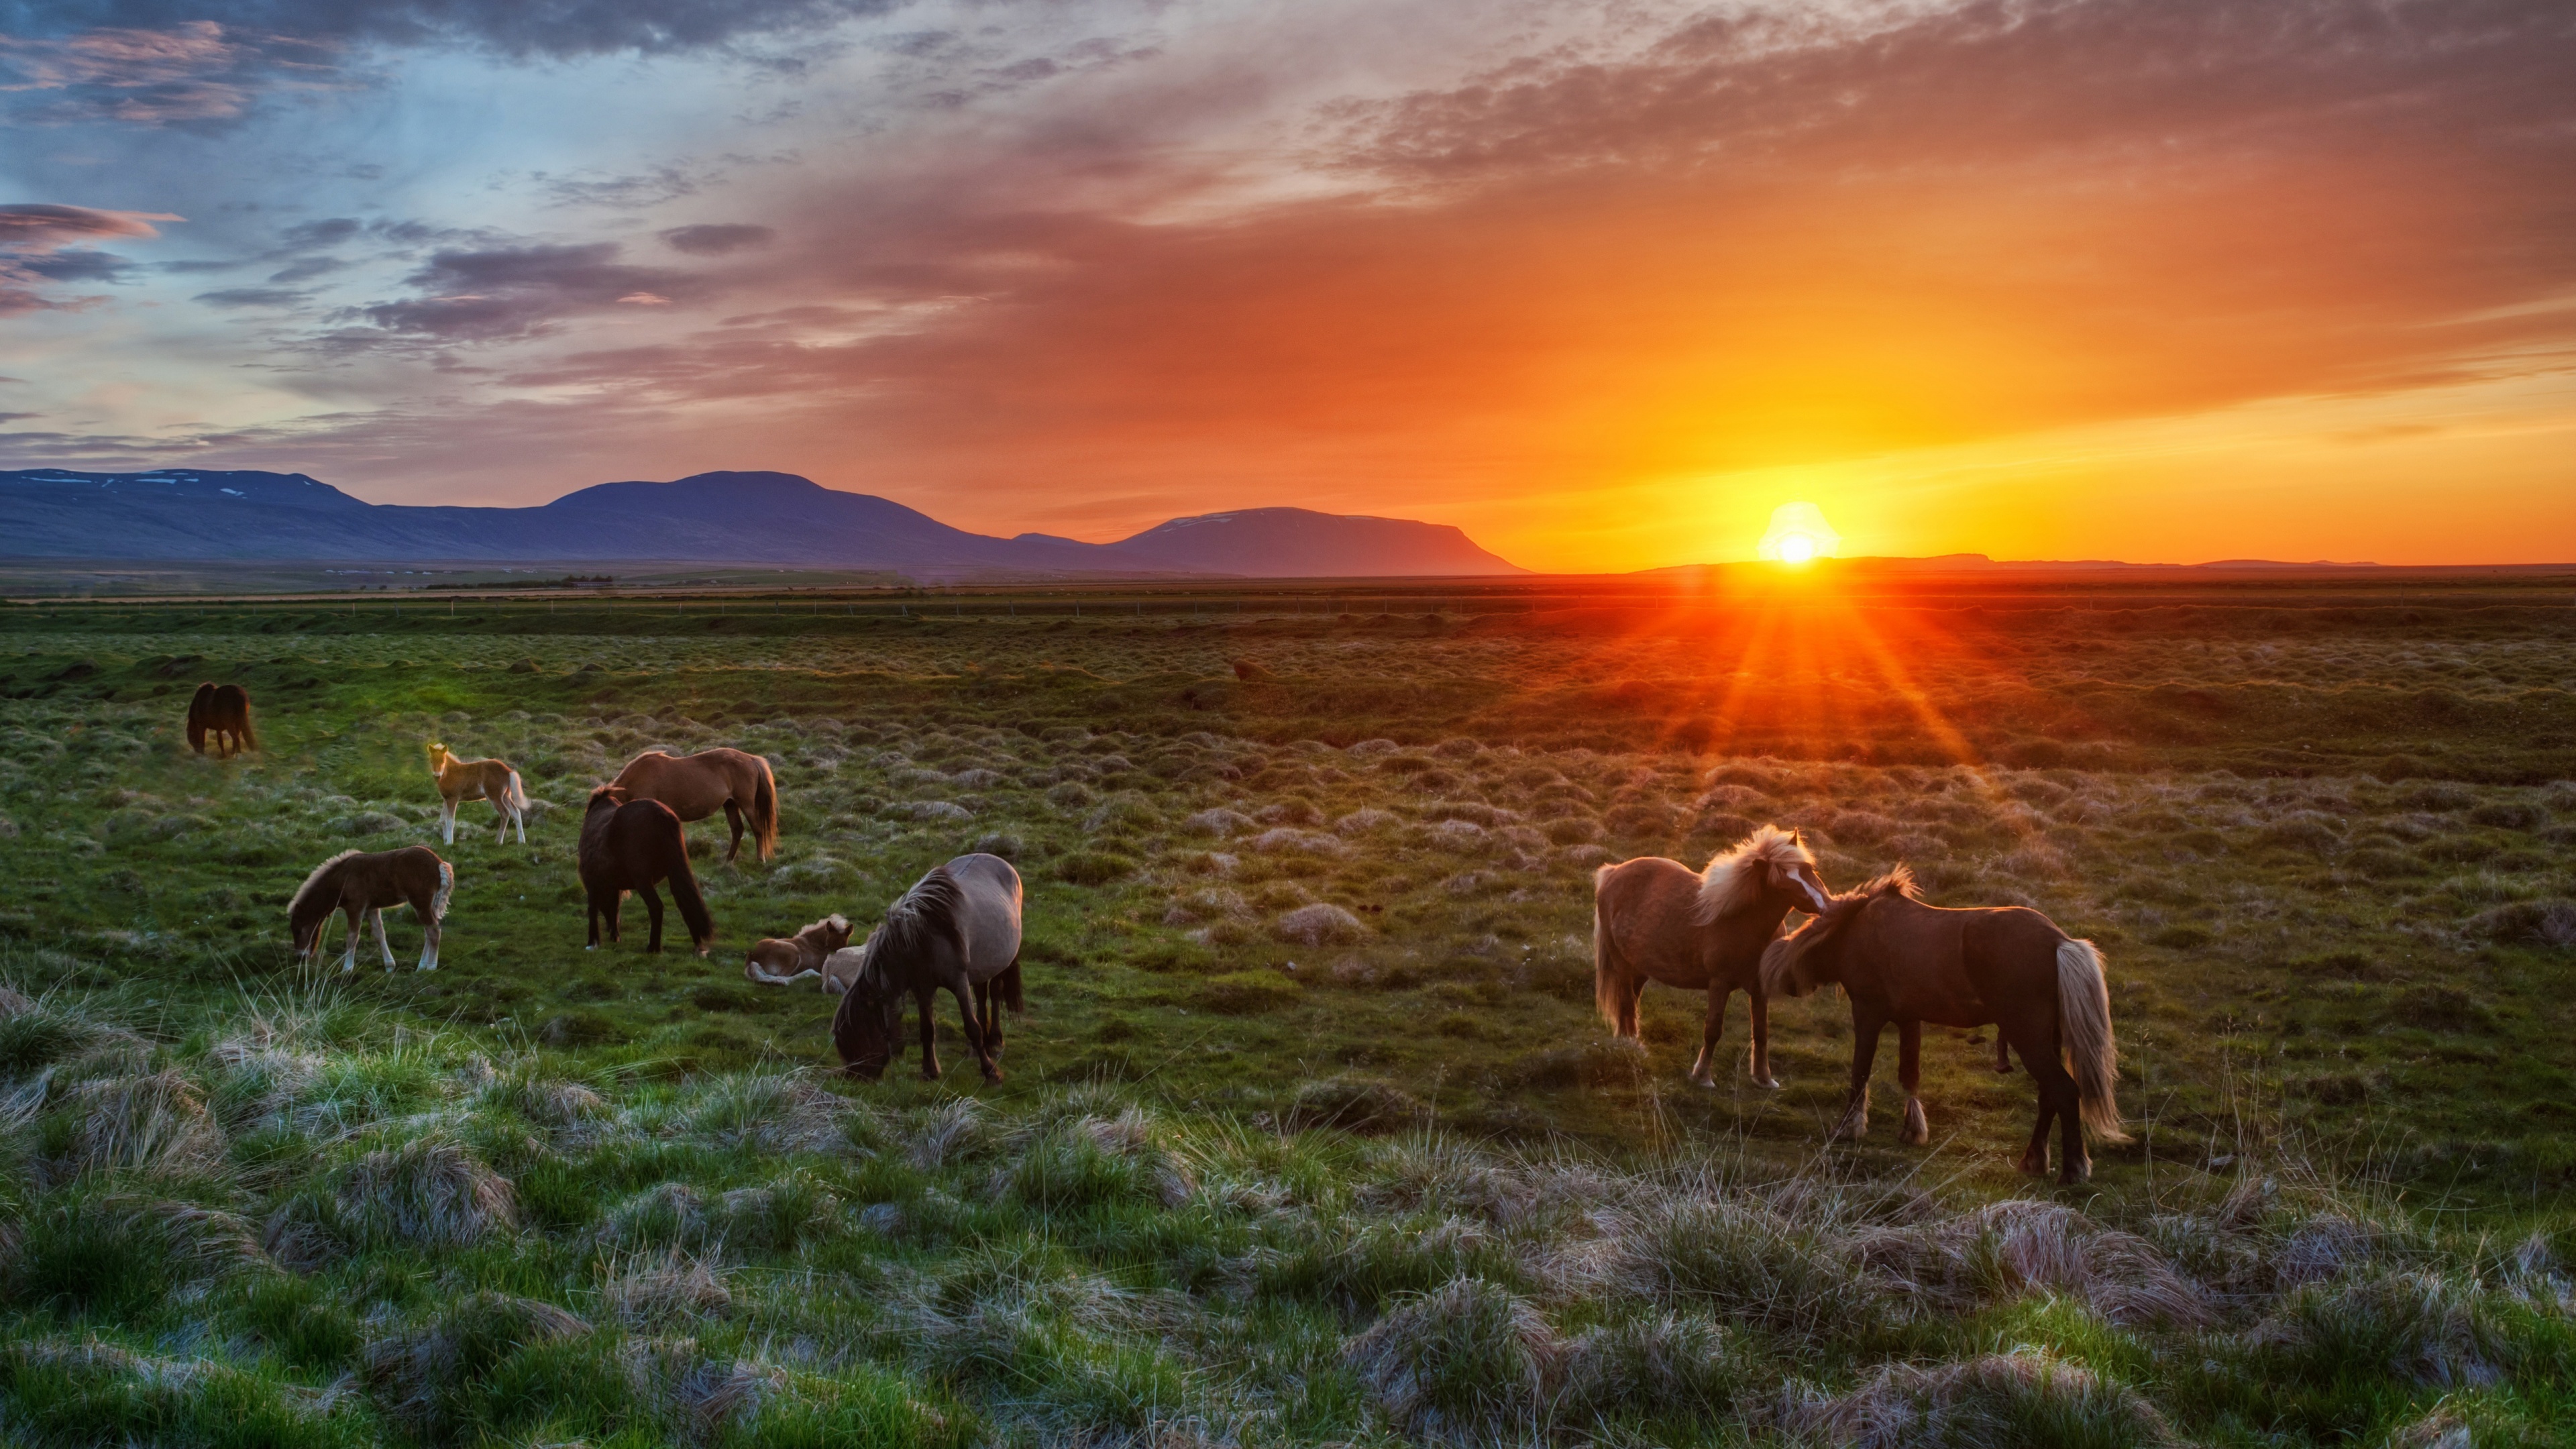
(1311, 1133)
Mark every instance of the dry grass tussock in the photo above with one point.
(155, 1124)
(2007, 1249)
(430, 1191)
(662, 1288)
(1469, 1360)
(1998, 1401)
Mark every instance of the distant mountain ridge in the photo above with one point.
(724, 517)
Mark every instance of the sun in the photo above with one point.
(1799, 534)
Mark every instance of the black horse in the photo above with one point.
(223, 712)
(629, 845)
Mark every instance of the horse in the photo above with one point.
(493, 780)
(781, 960)
(221, 710)
(1903, 961)
(958, 928)
(363, 884)
(628, 845)
(696, 786)
(1659, 920)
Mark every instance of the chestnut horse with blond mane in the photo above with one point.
(1701, 930)
(493, 780)
(1901, 961)
(697, 786)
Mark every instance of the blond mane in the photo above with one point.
(1781, 975)
(313, 882)
(1734, 876)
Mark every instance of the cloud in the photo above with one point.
(564, 30)
(40, 247)
(254, 297)
(714, 239)
(500, 293)
(192, 72)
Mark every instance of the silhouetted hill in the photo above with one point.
(731, 517)
(1298, 542)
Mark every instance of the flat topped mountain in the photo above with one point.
(726, 517)
(1299, 542)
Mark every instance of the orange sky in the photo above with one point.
(2161, 280)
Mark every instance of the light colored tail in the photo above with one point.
(1609, 990)
(2084, 1023)
(446, 888)
(518, 794)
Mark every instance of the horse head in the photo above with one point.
(605, 797)
(869, 1020)
(1797, 879)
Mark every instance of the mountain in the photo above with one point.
(1300, 543)
(733, 517)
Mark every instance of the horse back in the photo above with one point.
(1649, 908)
(2011, 951)
(988, 914)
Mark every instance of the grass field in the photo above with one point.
(1311, 1134)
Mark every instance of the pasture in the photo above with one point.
(1312, 1133)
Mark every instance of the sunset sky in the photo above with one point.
(1602, 283)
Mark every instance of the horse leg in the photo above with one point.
(1704, 1071)
(357, 922)
(1762, 1041)
(430, 934)
(1865, 1030)
(733, 817)
(653, 908)
(447, 823)
(924, 997)
(2036, 1051)
(383, 946)
(500, 821)
(2003, 1053)
(616, 904)
(1909, 1074)
(965, 994)
(991, 1012)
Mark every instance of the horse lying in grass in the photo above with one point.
(696, 786)
(957, 928)
(1705, 930)
(222, 711)
(363, 885)
(1902, 961)
(630, 845)
(493, 780)
(781, 960)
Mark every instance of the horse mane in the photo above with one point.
(313, 882)
(1822, 930)
(1734, 876)
(922, 917)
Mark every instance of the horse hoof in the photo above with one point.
(994, 1075)
(1768, 1084)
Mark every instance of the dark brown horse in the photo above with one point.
(363, 885)
(629, 845)
(1902, 961)
(958, 928)
(697, 786)
(1704, 930)
(221, 710)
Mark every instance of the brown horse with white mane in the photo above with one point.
(780, 960)
(1902, 961)
(363, 885)
(696, 786)
(1659, 920)
(222, 711)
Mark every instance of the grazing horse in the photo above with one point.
(696, 786)
(1900, 960)
(221, 710)
(1659, 920)
(362, 885)
(958, 928)
(628, 845)
(493, 780)
(784, 959)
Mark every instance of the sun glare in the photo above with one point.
(1799, 534)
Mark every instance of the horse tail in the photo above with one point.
(446, 888)
(684, 894)
(1008, 987)
(2084, 1023)
(249, 736)
(764, 812)
(1609, 985)
(516, 794)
